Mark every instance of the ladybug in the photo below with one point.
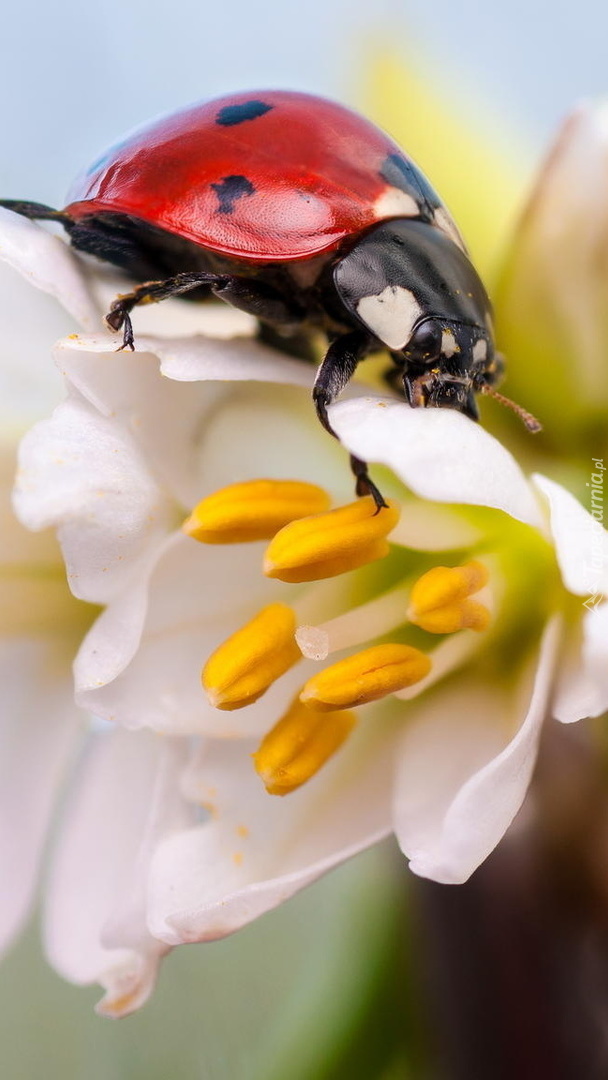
(304, 214)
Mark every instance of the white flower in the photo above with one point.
(40, 623)
(139, 441)
(485, 601)
(124, 790)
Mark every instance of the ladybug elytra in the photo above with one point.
(306, 215)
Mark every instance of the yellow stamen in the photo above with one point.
(249, 661)
(298, 745)
(331, 543)
(366, 676)
(439, 601)
(254, 510)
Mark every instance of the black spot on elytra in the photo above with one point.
(229, 189)
(403, 174)
(236, 114)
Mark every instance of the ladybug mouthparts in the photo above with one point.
(439, 391)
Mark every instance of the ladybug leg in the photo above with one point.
(36, 211)
(364, 484)
(335, 372)
(254, 297)
(262, 301)
(151, 292)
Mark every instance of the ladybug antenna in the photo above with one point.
(530, 421)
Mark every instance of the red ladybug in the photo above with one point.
(306, 215)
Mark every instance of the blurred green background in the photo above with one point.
(313, 990)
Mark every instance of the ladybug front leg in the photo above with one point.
(254, 297)
(335, 372)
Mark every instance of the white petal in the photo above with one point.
(38, 731)
(171, 417)
(438, 453)
(111, 643)
(38, 719)
(581, 543)
(195, 359)
(84, 474)
(583, 685)
(461, 780)
(30, 385)
(238, 360)
(257, 850)
(165, 419)
(34, 598)
(292, 446)
(47, 262)
(129, 981)
(126, 799)
(141, 661)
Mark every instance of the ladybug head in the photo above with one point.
(415, 290)
(445, 362)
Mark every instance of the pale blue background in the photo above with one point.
(73, 76)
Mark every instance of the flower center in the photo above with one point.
(310, 542)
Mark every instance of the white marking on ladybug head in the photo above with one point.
(444, 222)
(449, 345)
(390, 315)
(395, 203)
(480, 350)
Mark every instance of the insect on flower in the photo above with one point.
(305, 215)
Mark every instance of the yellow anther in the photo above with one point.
(296, 748)
(332, 543)
(249, 661)
(439, 601)
(254, 510)
(366, 676)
